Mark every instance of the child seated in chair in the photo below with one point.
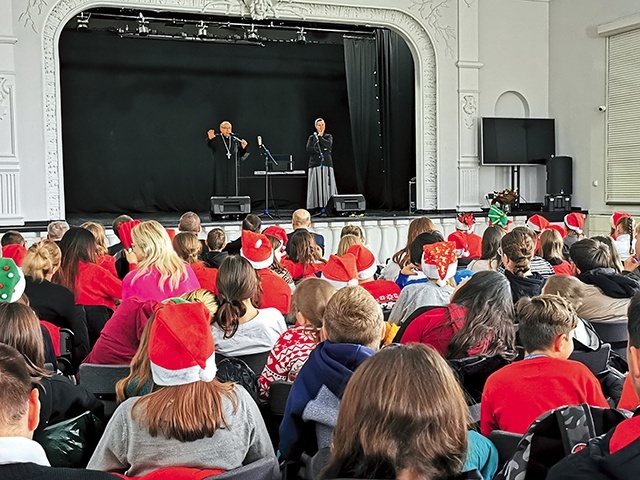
(514, 396)
(353, 328)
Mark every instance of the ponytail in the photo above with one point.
(228, 315)
(41, 259)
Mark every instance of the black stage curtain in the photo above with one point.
(396, 78)
(135, 115)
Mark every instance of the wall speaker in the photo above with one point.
(560, 176)
(347, 203)
(230, 206)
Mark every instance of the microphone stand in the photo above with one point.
(267, 158)
(235, 141)
(319, 185)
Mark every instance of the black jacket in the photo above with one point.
(214, 259)
(596, 463)
(22, 471)
(61, 400)
(611, 283)
(525, 286)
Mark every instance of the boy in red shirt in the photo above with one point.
(517, 394)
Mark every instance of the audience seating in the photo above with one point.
(255, 361)
(101, 381)
(97, 316)
(615, 334)
(597, 361)
(506, 443)
(278, 395)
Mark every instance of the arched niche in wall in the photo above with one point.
(512, 104)
(417, 37)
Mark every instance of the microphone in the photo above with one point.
(315, 134)
(259, 141)
(235, 137)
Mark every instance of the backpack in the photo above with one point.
(555, 435)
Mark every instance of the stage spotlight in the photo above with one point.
(202, 29)
(83, 22)
(302, 36)
(143, 26)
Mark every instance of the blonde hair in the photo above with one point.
(204, 296)
(41, 259)
(157, 252)
(346, 242)
(187, 246)
(99, 234)
(567, 287)
(353, 316)
(551, 245)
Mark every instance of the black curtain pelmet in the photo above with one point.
(380, 83)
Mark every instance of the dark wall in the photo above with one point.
(135, 115)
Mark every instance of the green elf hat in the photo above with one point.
(497, 217)
(12, 281)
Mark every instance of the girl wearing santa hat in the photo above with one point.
(193, 419)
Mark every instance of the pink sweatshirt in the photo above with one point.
(147, 286)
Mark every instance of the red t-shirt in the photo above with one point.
(385, 292)
(563, 268)
(519, 393)
(206, 276)
(627, 432)
(277, 292)
(629, 399)
(436, 327)
(97, 286)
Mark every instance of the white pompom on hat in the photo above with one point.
(256, 248)
(12, 283)
(365, 261)
(341, 271)
(575, 221)
(181, 348)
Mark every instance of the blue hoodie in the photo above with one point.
(315, 397)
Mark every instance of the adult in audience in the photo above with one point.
(256, 248)
(216, 241)
(551, 250)
(93, 286)
(240, 328)
(14, 246)
(371, 438)
(160, 273)
(278, 238)
(104, 259)
(353, 328)
(190, 222)
(402, 258)
(59, 398)
(20, 456)
(622, 232)
(607, 292)
(517, 251)
(56, 230)
(385, 292)
(189, 248)
(52, 302)
(294, 346)
(490, 257)
(251, 223)
(478, 321)
(303, 256)
(517, 394)
(614, 455)
(439, 264)
(301, 221)
(194, 420)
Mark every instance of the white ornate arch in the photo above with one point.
(412, 30)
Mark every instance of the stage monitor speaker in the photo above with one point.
(560, 176)
(347, 203)
(230, 206)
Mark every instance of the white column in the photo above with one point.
(469, 195)
(10, 210)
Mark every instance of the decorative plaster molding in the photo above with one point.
(469, 108)
(621, 25)
(4, 39)
(412, 30)
(32, 9)
(468, 64)
(431, 13)
(5, 91)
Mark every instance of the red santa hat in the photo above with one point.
(16, 252)
(278, 232)
(341, 271)
(575, 221)
(465, 221)
(617, 216)
(462, 243)
(439, 261)
(256, 248)
(12, 283)
(365, 261)
(538, 223)
(557, 228)
(181, 348)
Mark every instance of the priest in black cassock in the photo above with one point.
(227, 150)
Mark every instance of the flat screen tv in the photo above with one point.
(517, 141)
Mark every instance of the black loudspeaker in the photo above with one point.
(347, 203)
(560, 176)
(230, 206)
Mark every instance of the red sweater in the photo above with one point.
(108, 263)
(206, 276)
(385, 292)
(629, 399)
(517, 394)
(474, 243)
(97, 286)
(277, 292)
(563, 268)
(436, 327)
